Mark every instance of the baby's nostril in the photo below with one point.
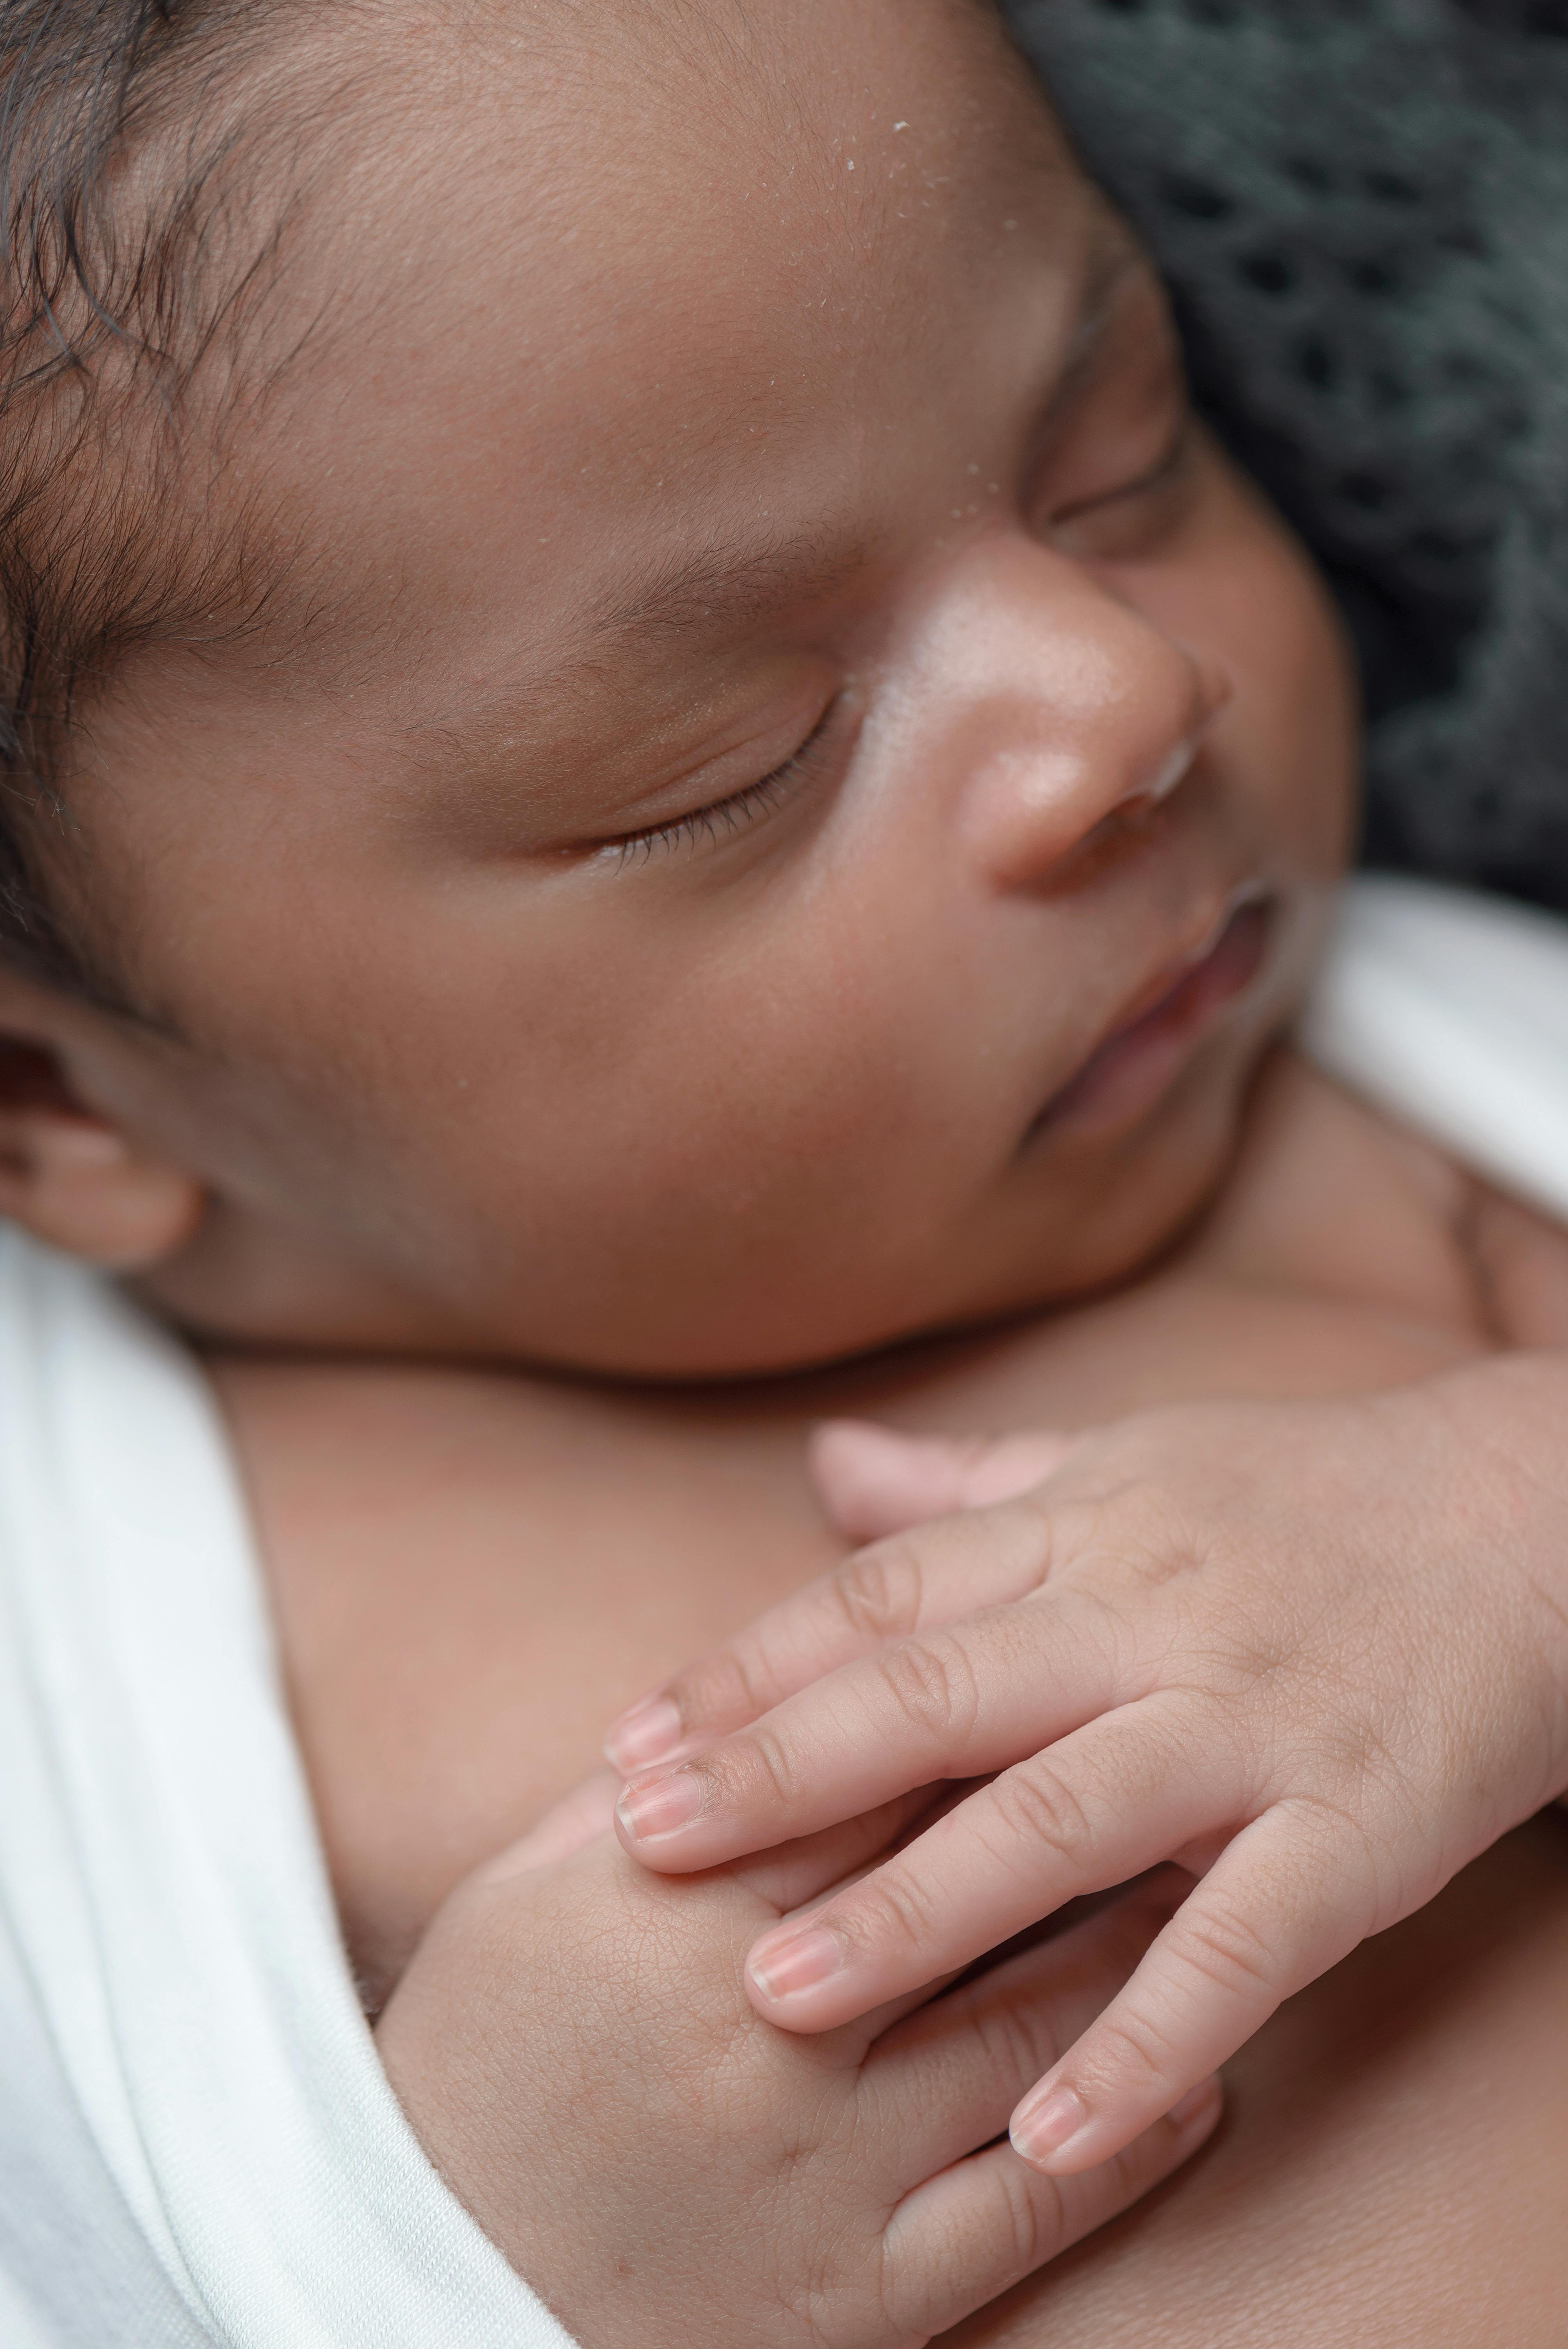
(1170, 774)
(1146, 796)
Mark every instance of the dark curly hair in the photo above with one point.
(133, 254)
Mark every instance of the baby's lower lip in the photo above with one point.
(1127, 1072)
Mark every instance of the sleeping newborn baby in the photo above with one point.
(664, 789)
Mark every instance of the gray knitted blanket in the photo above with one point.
(1362, 206)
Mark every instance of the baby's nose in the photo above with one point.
(1102, 717)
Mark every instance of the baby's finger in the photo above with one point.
(947, 2076)
(913, 1582)
(1271, 1916)
(587, 1812)
(799, 1875)
(1093, 1811)
(967, 2236)
(876, 1480)
(956, 1704)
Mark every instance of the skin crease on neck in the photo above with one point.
(792, 422)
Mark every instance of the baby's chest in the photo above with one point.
(472, 1575)
(471, 1578)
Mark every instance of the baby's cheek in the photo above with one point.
(1298, 706)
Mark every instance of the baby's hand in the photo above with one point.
(573, 2046)
(1318, 1654)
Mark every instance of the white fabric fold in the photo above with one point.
(1450, 1011)
(196, 2143)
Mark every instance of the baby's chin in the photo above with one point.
(1022, 1256)
(1060, 1223)
(1142, 1201)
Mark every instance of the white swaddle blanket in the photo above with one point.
(197, 2145)
(1450, 1011)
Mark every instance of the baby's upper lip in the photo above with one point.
(1171, 972)
(1202, 939)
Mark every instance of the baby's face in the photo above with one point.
(810, 782)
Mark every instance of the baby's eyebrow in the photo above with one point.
(686, 595)
(683, 597)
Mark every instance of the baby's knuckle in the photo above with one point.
(878, 1590)
(1139, 2048)
(892, 1913)
(1081, 1528)
(1147, 1523)
(1355, 1751)
(1017, 2045)
(1024, 2219)
(760, 1769)
(1159, 1549)
(1033, 1806)
(733, 1686)
(903, 2282)
(1223, 1948)
(1009, 2225)
(1335, 1844)
(933, 1687)
(1228, 1673)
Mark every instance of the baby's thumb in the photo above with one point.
(588, 1811)
(873, 1480)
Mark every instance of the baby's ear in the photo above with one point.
(71, 1177)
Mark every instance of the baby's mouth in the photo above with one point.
(1132, 1066)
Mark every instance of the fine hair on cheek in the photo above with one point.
(156, 156)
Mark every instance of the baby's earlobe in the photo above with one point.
(78, 1182)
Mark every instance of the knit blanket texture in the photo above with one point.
(1362, 208)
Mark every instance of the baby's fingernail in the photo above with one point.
(644, 1734)
(659, 1809)
(789, 1967)
(1040, 2132)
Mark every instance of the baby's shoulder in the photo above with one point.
(1329, 1196)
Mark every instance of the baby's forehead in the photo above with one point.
(642, 178)
(621, 275)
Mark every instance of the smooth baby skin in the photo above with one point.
(772, 793)
(448, 1689)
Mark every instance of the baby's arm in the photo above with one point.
(1316, 1653)
(573, 2047)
